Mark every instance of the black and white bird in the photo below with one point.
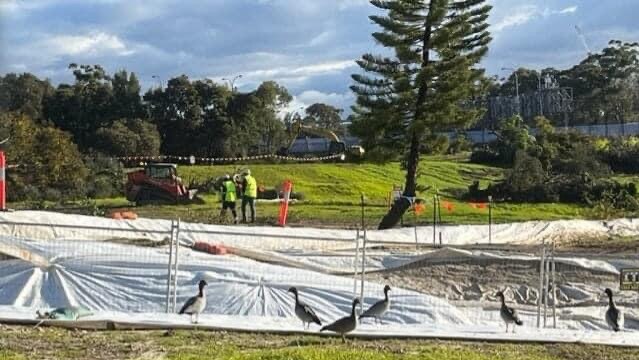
(508, 314)
(614, 316)
(196, 304)
(379, 308)
(345, 324)
(303, 311)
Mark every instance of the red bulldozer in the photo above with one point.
(158, 184)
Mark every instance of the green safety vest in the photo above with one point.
(251, 187)
(229, 191)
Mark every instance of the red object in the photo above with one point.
(448, 206)
(419, 208)
(156, 182)
(214, 249)
(287, 187)
(478, 205)
(3, 193)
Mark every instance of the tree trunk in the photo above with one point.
(394, 215)
(402, 204)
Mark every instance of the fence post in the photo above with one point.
(168, 279)
(490, 219)
(435, 221)
(541, 283)
(177, 264)
(3, 188)
(546, 281)
(554, 289)
(355, 263)
(361, 295)
(415, 224)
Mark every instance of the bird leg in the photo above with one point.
(506, 328)
(343, 339)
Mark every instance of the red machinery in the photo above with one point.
(158, 183)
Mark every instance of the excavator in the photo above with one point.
(335, 146)
(159, 183)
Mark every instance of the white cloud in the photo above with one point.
(568, 10)
(527, 13)
(296, 74)
(91, 44)
(520, 16)
(322, 38)
(310, 97)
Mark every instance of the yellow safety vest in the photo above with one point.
(251, 187)
(230, 194)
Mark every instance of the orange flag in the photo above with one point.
(478, 205)
(419, 208)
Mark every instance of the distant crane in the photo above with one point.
(583, 39)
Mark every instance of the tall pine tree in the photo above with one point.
(422, 86)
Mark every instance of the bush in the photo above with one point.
(106, 177)
(622, 155)
(436, 145)
(48, 159)
(461, 143)
(487, 156)
(51, 194)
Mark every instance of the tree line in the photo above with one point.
(109, 115)
(64, 136)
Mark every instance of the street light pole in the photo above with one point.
(232, 82)
(158, 78)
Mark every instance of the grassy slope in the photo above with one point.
(26, 343)
(332, 194)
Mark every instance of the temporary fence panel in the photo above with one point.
(249, 273)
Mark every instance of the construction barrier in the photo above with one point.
(194, 160)
(3, 188)
(286, 188)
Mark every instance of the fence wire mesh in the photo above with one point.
(155, 267)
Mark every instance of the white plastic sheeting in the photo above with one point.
(127, 284)
(125, 278)
(269, 238)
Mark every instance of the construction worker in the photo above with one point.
(229, 197)
(249, 186)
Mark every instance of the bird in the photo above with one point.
(379, 308)
(303, 311)
(508, 314)
(345, 324)
(196, 304)
(614, 316)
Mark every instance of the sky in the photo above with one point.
(309, 46)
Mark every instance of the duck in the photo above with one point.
(304, 312)
(345, 324)
(508, 314)
(614, 317)
(378, 309)
(196, 304)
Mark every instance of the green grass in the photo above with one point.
(332, 194)
(344, 183)
(51, 343)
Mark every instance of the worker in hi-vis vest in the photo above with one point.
(249, 185)
(229, 197)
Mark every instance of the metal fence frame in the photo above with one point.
(360, 242)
